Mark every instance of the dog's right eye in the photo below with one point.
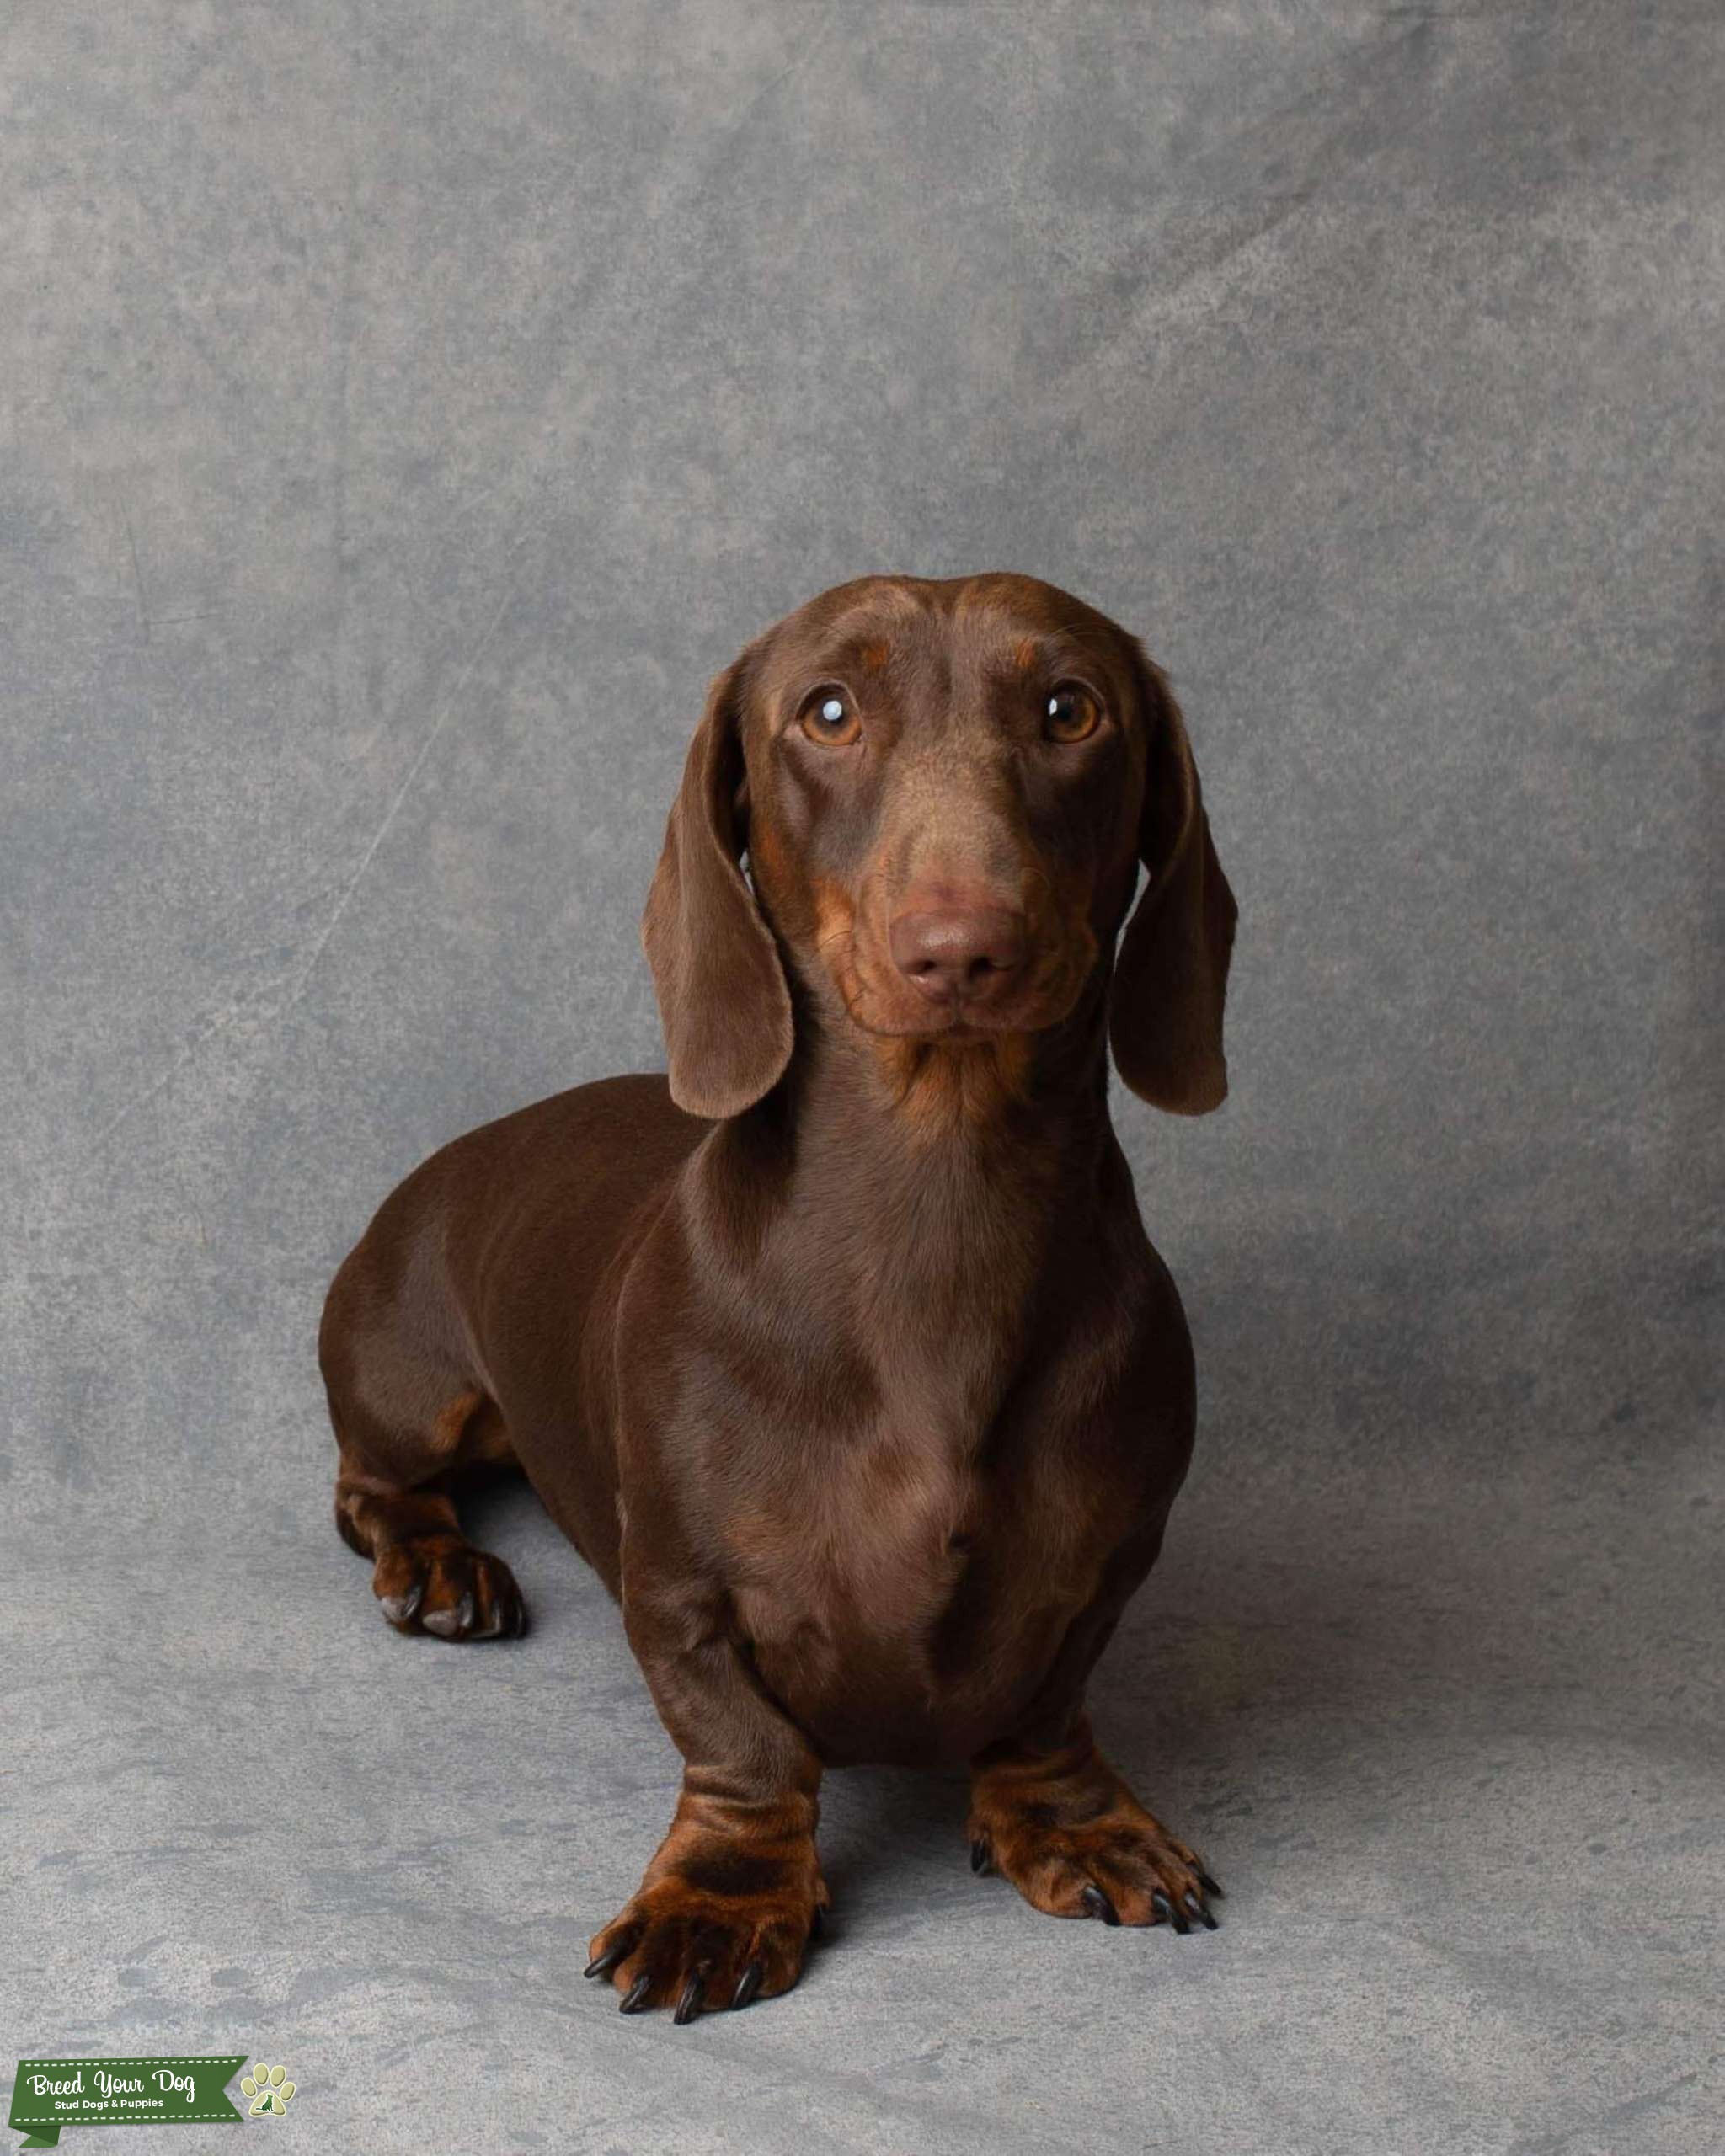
(830, 718)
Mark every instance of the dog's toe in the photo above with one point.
(444, 1586)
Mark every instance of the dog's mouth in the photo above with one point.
(891, 1010)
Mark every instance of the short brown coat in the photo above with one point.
(841, 1356)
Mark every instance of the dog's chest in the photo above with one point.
(901, 1593)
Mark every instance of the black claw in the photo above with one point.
(1160, 1902)
(1098, 1904)
(602, 1964)
(689, 2005)
(633, 1996)
(748, 1984)
(979, 1856)
(1208, 1884)
(1199, 1910)
(817, 1923)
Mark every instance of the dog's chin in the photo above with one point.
(958, 1032)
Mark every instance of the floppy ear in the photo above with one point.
(1165, 1007)
(716, 969)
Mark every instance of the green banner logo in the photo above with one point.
(52, 2093)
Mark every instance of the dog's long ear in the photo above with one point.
(1164, 1008)
(716, 969)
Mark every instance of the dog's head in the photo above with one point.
(945, 791)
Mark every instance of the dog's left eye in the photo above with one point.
(830, 718)
(1071, 714)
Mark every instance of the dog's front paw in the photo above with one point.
(1089, 1850)
(719, 1927)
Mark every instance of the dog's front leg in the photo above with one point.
(725, 1910)
(1048, 1812)
(1066, 1829)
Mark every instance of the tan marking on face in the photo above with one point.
(834, 910)
(876, 655)
(765, 854)
(940, 1088)
(1025, 654)
(836, 938)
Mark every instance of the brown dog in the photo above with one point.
(841, 1357)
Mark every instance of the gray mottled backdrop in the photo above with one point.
(405, 407)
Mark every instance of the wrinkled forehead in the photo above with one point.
(946, 639)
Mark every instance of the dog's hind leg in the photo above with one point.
(426, 1575)
(408, 1420)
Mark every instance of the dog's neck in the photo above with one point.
(935, 1187)
(913, 1114)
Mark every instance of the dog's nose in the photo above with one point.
(956, 952)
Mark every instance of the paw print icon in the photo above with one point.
(269, 2087)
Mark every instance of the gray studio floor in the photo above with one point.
(406, 407)
(1443, 1717)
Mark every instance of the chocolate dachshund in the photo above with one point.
(840, 1352)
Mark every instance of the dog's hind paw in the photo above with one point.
(442, 1584)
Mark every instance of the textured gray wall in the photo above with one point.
(405, 408)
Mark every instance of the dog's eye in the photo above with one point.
(1072, 714)
(828, 719)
